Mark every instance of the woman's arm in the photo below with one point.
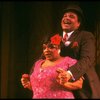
(70, 85)
(74, 85)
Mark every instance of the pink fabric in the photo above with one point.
(44, 84)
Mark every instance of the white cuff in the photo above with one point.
(71, 75)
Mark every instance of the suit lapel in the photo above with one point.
(73, 36)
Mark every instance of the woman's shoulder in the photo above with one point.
(39, 61)
(67, 62)
(70, 60)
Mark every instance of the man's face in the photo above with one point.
(70, 22)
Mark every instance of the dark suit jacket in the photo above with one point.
(82, 48)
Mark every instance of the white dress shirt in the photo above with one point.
(67, 43)
(69, 34)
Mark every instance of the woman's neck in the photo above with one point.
(55, 59)
(51, 63)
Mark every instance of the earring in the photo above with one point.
(58, 51)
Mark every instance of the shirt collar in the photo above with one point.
(69, 33)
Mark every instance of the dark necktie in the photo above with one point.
(65, 37)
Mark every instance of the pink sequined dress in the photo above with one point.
(44, 83)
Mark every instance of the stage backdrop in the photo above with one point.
(22, 28)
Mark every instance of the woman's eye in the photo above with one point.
(44, 46)
(51, 47)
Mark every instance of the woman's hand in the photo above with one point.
(25, 80)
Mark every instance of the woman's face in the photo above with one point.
(70, 21)
(50, 51)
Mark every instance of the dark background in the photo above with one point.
(22, 27)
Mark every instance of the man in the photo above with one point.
(80, 45)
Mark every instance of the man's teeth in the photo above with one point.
(66, 22)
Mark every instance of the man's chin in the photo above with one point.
(67, 29)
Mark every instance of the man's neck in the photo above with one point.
(68, 31)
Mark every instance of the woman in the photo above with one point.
(44, 80)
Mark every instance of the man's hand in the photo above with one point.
(63, 76)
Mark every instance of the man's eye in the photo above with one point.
(72, 16)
